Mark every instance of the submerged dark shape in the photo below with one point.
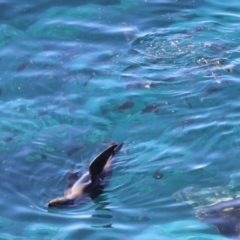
(187, 103)
(42, 112)
(134, 85)
(141, 85)
(224, 216)
(9, 138)
(152, 107)
(195, 31)
(22, 66)
(158, 174)
(218, 207)
(88, 79)
(186, 121)
(231, 69)
(125, 105)
(69, 79)
(45, 111)
(74, 149)
(92, 183)
(211, 90)
(43, 156)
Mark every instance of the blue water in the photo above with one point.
(160, 75)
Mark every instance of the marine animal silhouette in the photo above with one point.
(92, 183)
(124, 106)
(151, 107)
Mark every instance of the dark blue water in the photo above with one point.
(162, 76)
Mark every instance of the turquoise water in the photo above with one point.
(162, 76)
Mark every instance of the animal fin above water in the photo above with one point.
(92, 183)
(97, 165)
(118, 148)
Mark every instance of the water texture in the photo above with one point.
(161, 76)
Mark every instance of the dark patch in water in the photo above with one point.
(69, 79)
(187, 121)
(74, 149)
(158, 174)
(42, 112)
(153, 107)
(211, 90)
(43, 156)
(223, 215)
(195, 31)
(125, 105)
(9, 138)
(141, 85)
(187, 103)
(22, 66)
(88, 79)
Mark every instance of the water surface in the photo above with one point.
(162, 76)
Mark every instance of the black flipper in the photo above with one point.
(97, 165)
(96, 192)
(118, 148)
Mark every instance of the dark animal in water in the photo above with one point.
(92, 183)
(69, 79)
(224, 216)
(125, 105)
(211, 90)
(153, 107)
(187, 121)
(141, 85)
(187, 103)
(158, 174)
(22, 66)
(9, 138)
(88, 79)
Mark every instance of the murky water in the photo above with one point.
(161, 76)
